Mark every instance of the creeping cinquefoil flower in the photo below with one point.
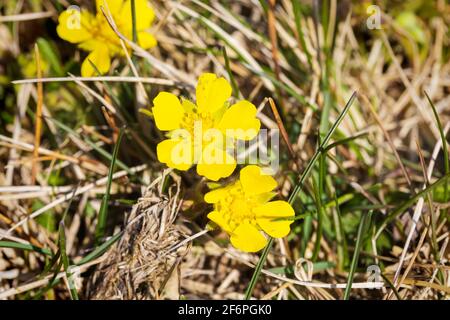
(92, 33)
(243, 209)
(201, 133)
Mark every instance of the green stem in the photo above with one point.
(103, 213)
(365, 219)
(297, 189)
(133, 21)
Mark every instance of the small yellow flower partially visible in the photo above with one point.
(200, 133)
(243, 209)
(28, 65)
(92, 33)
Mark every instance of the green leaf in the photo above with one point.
(51, 55)
(46, 219)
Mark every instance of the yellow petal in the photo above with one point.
(175, 153)
(101, 60)
(212, 92)
(114, 6)
(270, 218)
(90, 45)
(74, 26)
(144, 15)
(167, 111)
(247, 238)
(255, 182)
(188, 106)
(214, 196)
(146, 40)
(216, 165)
(264, 197)
(219, 219)
(239, 121)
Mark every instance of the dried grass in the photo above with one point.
(142, 265)
(398, 152)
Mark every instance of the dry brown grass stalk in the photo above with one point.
(141, 265)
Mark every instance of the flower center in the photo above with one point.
(235, 207)
(194, 120)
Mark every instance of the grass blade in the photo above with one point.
(133, 21)
(100, 249)
(303, 100)
(258, 268)
(301, 37)
(320, 150)
(62, 250)
(365, 220)
(52, 282)
(320, 214)
(103, 213)
(101, 151)
(345, 140)
(405, 205)
(26, 247)
(230, 73)
(391, 285)
(340, 236)
(444, 143)
(297, 189)
(65, 260)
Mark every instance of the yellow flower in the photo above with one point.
(243, 209)
(203, 133)
(92, 33)
(28, 65)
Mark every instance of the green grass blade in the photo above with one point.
(444, 143)
(230, 73)
(100, 150)
(258, 268)
(320, 150)
(51, 264)
(365, 221)
(340, 236)
(50, 54)
(298, 16)
(55, 265)
(62, 249)
(303, 100)
(103, 213)
(109, 91)
(389, 282)
(297, 189)
(306, 233)
(100, 249)
(345, 140)
(65, 261)
(133, 21)
(52, 282)
(405, 205)
(320, 213)
(26, 247)
(250, 62)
